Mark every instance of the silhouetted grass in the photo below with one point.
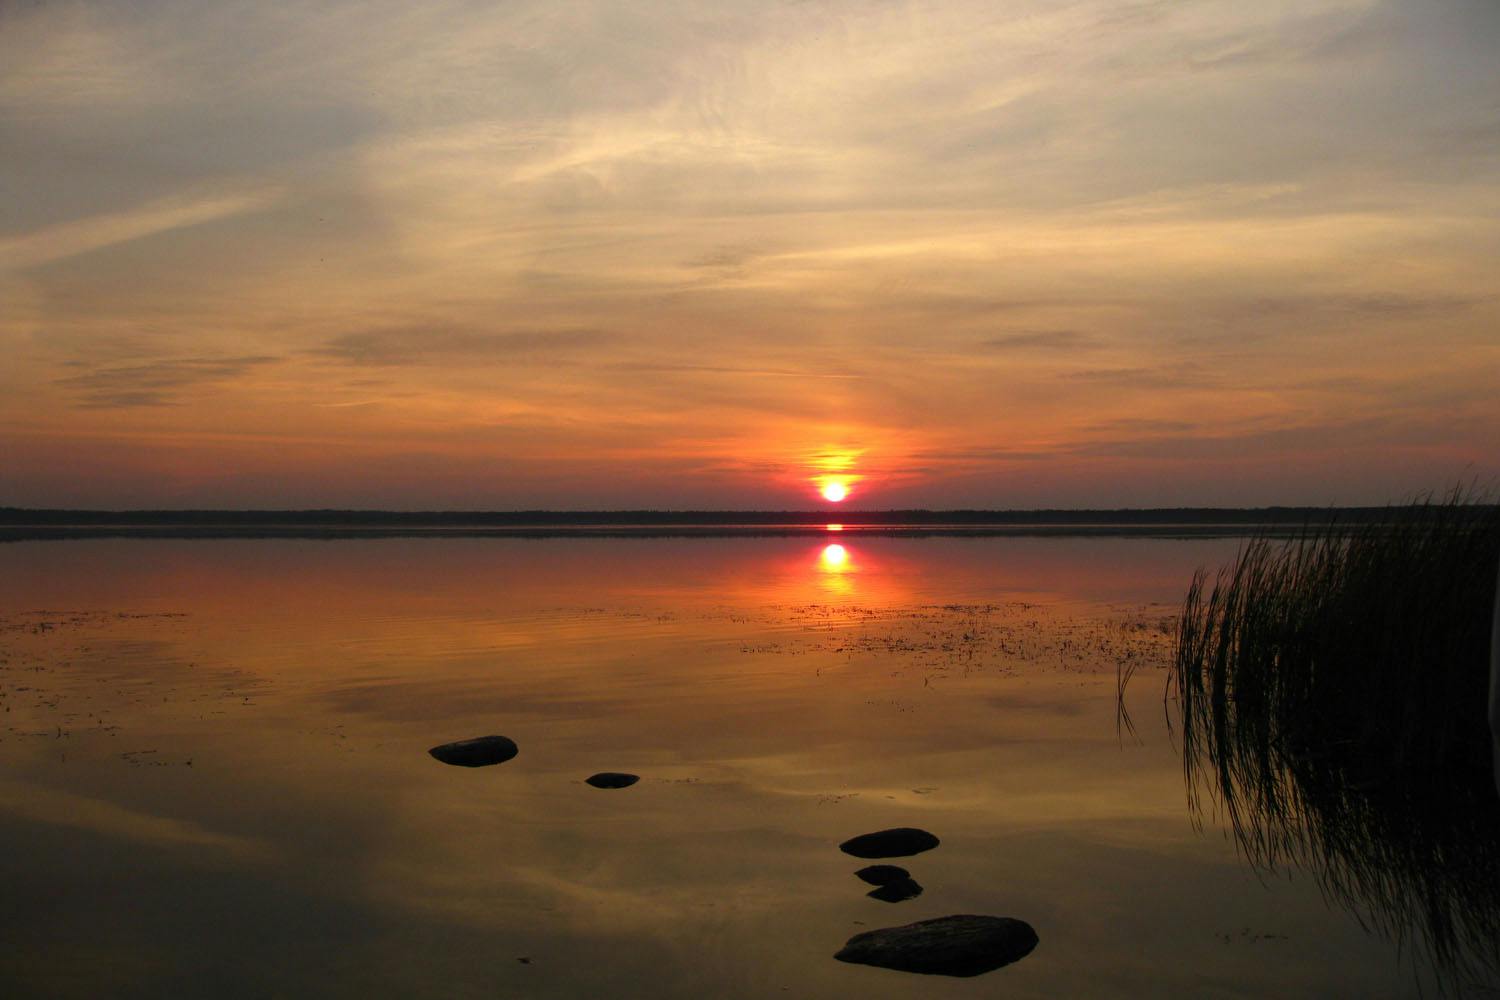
(1331, 692)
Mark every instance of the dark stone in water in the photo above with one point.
(898, 843)
(612, 779)
(959, 945)
(882, 874)
(478, 752)
(898, 891)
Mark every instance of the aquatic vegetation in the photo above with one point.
(1330, 692)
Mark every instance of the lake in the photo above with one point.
(216, 779)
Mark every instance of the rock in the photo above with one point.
(478, 752)
(959, 945)
(898, 843)
(898, 891)
(612, 779)
(882, 874)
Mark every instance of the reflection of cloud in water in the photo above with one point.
(45, 805)
(446, 699)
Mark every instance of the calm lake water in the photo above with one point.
(214, 778)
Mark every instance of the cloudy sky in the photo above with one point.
(666, 254)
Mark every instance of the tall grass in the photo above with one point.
(1331, 693)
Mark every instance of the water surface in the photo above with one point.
(214, 776)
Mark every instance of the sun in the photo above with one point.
(834, 492)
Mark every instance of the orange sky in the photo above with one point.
(701, 255)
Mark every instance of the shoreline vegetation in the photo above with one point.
(1330, 695)
(21, 524)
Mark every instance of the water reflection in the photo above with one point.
(836, 567)
(1411, 849)
(214, 771)
(1332, 696)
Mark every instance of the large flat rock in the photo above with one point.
(960, 945)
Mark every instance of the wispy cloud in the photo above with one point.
(1045, 340)
(1182, 376)
(983, 232)
(68, 239)
(1385, 305)
(815, 373)
(420, 345)
(105, 818)
(156, 383)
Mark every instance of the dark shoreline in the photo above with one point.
(23, 533)
(19, 524)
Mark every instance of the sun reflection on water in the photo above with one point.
(835, 565)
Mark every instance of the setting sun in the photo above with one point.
(834, 492)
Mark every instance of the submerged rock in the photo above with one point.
(478, 752)
(898, 891)
(612, 779)
(959, 945)
(897, 843)
(882, 874)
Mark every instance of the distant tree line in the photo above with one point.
(21, 516)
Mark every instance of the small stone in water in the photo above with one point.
(898, 891)
(882, 874)
(479, 752)
(897, 843)
(612, 779)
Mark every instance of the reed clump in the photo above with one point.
(1331, 693)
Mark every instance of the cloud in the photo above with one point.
(979, 455)
(729, 370)
(1390, 305)
(726, 256)
(156, 383)
(1142, 425)
(727, 261)
(418, 345)
(1377, 434)
(68, 239)
(919, 227)
(1188, 375)
(1042, 340)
